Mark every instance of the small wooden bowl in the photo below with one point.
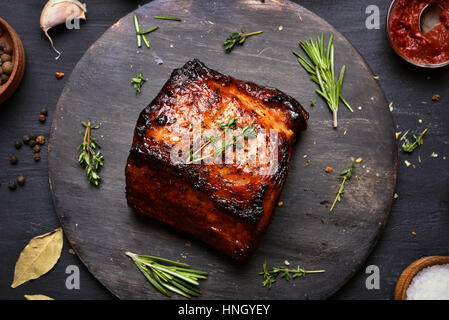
(400, 292)
(11, 39)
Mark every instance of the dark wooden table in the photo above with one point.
(422, 206)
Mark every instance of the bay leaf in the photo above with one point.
(38, 257)
(37, 297)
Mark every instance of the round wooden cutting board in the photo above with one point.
(101, 227)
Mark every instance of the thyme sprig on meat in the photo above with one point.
(320, 66)
(237, 38)
(345, 175)
(168, 275)
(88, 156)
(270, 276)
(409, 147)
(247, 132)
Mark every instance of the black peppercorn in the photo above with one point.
(12, 185)
(20, 180)
(33, 136)
(14, 159)
(26, 139)
(18, 144)
(36, 148)
(32, 143)
(37, 157)
(44, 111)
(42, 118)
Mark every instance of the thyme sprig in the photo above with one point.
(138, 81)
(345, 175)
(168, 275)
(237, 38)
(321, 70)
(270, 276)
(248, 132)
(90, 159)
(409, 147)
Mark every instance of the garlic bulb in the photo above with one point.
(57, 12)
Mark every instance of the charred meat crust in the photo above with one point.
(197, 93)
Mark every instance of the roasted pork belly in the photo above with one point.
(210, 155)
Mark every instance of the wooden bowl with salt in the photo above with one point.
(9, 37)
(400, 292)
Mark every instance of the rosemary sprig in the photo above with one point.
(140, 34)
(248, 132)
(168, 275)
(408, 146)
(345, 175)
(168, 18)
(237, 38)
(321, 70)
(137, 28)
(270, 276)
(90, 159)
(138, 81)
(149, 30)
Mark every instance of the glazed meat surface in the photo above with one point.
(210, 155)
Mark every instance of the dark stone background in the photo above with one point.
(422, 205)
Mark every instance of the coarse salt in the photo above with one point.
(431, 283)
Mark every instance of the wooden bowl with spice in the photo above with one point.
(12, 60)
(425, 279)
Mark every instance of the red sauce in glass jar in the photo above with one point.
(405, 32)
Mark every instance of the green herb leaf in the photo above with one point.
(168, 275)
(344, 175)
(237, 38)
(320, 66)
(138, 81)
(409, 147)
(90, 159)
(270, 276)
(168, 18)
(140, 34)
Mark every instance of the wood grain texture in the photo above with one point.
(101, 227)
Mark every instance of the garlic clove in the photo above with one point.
(56, 12)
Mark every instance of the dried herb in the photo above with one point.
(88, 156)
(408, 146)
(168, 275)
(321, 70)
(38, 257)
(168, 18)
(345, 175)
(138, 81)
(237, 38)
(270, 276)
(37, 297)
